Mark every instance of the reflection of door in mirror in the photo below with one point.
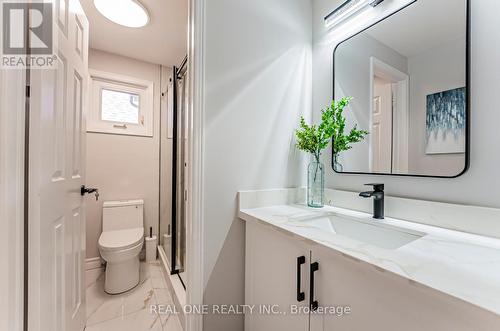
(381, 123)
(389, 119)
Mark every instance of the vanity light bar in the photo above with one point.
(347, 9)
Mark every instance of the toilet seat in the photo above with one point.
(118, 240)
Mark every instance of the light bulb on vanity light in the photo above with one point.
(347, 9)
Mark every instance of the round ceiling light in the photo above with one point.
(129, 13)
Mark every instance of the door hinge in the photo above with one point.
(185, 195)
(28, 91)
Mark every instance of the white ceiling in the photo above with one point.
(162, 41)
(422, 26)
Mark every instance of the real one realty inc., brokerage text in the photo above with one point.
(266, 309)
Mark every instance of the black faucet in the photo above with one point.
(378, 199)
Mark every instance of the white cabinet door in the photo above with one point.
(382, 301)
(272, 260)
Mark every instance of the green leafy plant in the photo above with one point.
(313, 139)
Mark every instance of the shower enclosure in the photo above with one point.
(173, 169)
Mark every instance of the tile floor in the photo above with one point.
(131, 310)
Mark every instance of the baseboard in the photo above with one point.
(93, 263)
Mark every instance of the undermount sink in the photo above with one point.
(369, 232)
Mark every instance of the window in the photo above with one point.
(121, 105)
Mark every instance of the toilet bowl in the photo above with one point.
(120, 244)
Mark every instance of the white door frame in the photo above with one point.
(12, 155)
(401, 115)
(194, 224)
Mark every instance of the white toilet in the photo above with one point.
(120, 243)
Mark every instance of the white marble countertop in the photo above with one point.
(462, 265)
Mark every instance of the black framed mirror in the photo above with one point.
(409, 76)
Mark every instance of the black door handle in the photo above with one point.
(313, 304)
(84, 190)
(300, 295)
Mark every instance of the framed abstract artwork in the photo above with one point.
(446, 122)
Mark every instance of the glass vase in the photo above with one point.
(315, 184)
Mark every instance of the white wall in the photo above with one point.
(123, 167)
(257, 83)
(475, 187)
(435, 70)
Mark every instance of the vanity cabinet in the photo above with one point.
(357, 295)
(361, 297)
(274, 262)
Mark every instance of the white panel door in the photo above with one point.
(381, 132)
(271, 276)
(57, 149)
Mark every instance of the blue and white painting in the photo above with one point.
(446, 122)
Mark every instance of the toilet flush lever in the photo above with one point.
(84, 190)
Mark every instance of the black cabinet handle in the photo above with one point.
(300, 295)
(313, 304)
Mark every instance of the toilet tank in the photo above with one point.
(122, 215)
